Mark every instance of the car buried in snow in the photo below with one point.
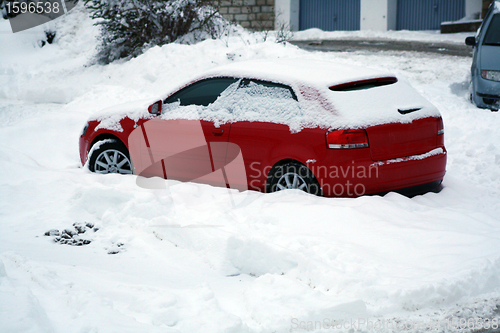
(324, 128)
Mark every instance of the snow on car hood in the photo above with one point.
(110, 117)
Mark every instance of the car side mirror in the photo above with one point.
(471, 41)
(155, 108)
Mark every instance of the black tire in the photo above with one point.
(292, 175)
(471, 92)
(110, 156)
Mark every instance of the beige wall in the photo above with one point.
(252, 14)
(486, 4)
(378, 15)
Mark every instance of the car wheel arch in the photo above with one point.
(106, 136)
(100, 160)
(281, 163)
(289, 153)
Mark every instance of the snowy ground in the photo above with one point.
(182, 259)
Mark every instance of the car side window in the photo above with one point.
(255, 100)
(203, 92)
(492, 36)
(271, 89)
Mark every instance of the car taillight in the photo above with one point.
(440, 126)
(346, 139)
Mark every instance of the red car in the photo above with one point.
(325, 128)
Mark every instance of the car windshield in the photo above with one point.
(492, 36)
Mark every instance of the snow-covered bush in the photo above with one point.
(128, 26)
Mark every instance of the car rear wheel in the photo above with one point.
(293, 175)
(110, 156)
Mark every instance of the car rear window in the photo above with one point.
(492, 36)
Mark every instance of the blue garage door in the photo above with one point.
(329, 15)
(428, 14)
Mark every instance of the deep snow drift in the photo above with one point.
(182, 258)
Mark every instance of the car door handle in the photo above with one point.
(217, 131)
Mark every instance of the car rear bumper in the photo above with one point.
(411, 171)
(370, 177)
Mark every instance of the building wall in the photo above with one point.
(252, 14)
(287, 14)
(392, 14)
(473, 9)
(375, 14)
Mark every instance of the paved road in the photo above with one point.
(375, 45)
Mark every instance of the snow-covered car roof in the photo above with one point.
(292, 71)
(318, 105)
(311, 80)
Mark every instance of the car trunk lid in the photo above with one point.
(388, 141)
(399, 122)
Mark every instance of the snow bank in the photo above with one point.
(432, 36)
(256, 258)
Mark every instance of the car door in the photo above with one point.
(260, 106)
(185, 149)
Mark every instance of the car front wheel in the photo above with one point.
(293, 175)
(109, 156)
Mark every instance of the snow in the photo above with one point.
(110, 117)
(184, 258)
(310, 80)
(353, 109)
(437, 151)
(294, 71)
(429, 36)
(253, 103)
